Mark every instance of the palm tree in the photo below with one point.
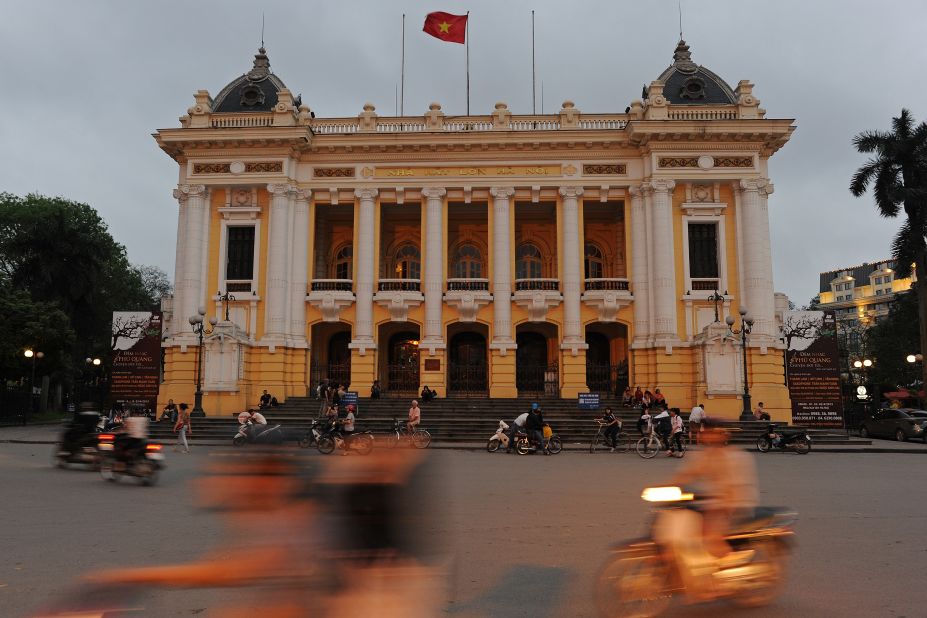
(898, 174)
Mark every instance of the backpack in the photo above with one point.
(665, 425)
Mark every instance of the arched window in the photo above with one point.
(594, 262)
(343, 262)
(468, 263)
(408, 263)
(528, 262)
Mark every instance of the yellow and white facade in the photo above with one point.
(499, 255)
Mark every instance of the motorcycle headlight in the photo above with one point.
(665, 494)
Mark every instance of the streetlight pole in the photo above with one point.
(31, 354)
(746, 326)
(197, 322)
(92, 365)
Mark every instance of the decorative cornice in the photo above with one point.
(678, 162)
(212, 168)
(333, 172)
(733, 161)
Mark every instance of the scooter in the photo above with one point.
(499, 439)
(78, 444)
(798, 440)
(642, 576)
(144, 465)
(311, 437)
(259, 434)
(524, 446)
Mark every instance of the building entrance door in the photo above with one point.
(467, 369)
(534, 376)
(402, 366)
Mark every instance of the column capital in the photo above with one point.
(636, 190)
(303, 195)
(761, 185)
(183, 192)
(366, 193)
(281, 190)
(502, 192)
(571, 191)
(433, 193)
(662, 185)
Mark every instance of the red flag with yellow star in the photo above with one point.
(447, 27)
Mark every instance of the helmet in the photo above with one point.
(534, 406)
(351, 407)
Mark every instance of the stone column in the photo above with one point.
(501, 265)
(759, 296)
(640, 282)
(189, 281)
(434, 272)
(664, 264)
(178, 320)
(275, 307)
(364, 254)
(572, 271)
(300, 266)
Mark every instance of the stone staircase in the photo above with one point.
(457, 420)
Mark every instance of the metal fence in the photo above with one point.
(537, 380)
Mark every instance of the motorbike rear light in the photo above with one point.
(107, 437)
(153, 447)
(665, 494)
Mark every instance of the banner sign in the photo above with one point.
(812, 365)
(588, 401)
(350, 399)
(136, 371)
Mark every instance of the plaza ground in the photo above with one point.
(527, 534)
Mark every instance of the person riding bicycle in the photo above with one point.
(415, 417)
(611, 427)
(535, 426)
(663, 425)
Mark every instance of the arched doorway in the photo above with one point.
(536, 371)
(402, 364)
(467, 369)
(339, 358)
(330, 357)
(607, 358)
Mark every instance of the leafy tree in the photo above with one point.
(897, 172)
(891, 340)
(28, 324)
(156, 284)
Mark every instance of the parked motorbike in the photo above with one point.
(499, 439)
(797, 440)
(525, 446)
(78, 444)
(144, 463)
(252, 433)
(642, 576)
(360, 442)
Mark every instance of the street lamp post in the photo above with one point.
(746, 326)
(92, 365)
(198, 324)
(31, 354)
(864, 365)
(913, 360)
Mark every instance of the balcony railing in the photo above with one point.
(607, 284)
(330, 285)
(468, 285)
(238, 286)
(705, 285)
(400, 285)
(537, 284)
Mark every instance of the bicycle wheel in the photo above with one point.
(554, 445)
(362, 443)
(595, 442)
(326, 445)
(421, 438)
(648, 446)
(392, 440)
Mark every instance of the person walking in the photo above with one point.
(182, 428)
(676, 429)
(696, 418)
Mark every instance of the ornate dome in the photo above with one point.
(686, 83)
(255, 91)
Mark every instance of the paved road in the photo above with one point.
(527, 533)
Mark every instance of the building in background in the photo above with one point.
(860, 295)
(500, 255)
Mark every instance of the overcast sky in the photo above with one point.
(86, 83)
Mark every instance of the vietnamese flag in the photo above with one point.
(447, 27)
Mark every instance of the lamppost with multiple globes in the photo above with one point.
(33, 355)
(913, 360)
(746, 325)
(198, 323)
(863, 364)
(92, 365)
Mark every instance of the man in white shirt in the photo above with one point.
(257, 418)
(518, 423)
(696, 418)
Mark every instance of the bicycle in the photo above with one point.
(599, 440)
(652, 443)
(419, 438)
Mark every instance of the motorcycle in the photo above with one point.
(797, 440)
(144, 464)
(78, 444)
(498, 439)
(360, 441)
(525, 446)
(642, 577)
(311, 437)
(259, 434)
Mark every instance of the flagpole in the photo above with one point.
(534, 96)
(402, 96)
(467, 37)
